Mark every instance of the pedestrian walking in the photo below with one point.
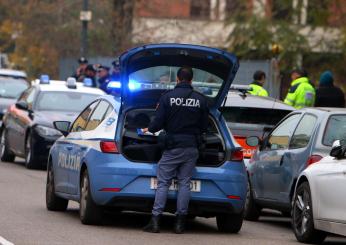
(301, 93)
(328, 95)
(183, 114)
(256, 87)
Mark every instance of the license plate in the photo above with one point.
(195, 185)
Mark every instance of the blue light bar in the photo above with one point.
(133, 85)
(88, 82)
(114, 85)
(44, 79)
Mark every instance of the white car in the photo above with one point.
(319, 205)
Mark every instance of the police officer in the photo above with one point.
(103, 77)
(183, 114)
(256, 86)
(80, 71)
(301, 93)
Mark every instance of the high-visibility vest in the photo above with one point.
(301, 93)
(257, 90)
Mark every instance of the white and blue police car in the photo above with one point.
(102, 163)
(28, 130)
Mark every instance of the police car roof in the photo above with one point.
(12, 73)
(61, 86)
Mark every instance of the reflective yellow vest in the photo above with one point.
(301, 93)
(257, 90)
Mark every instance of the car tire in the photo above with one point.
(302, 217)
(53, 202)
(89, 212)
(31, 159)
(251, 210)
(230, 223)
(6, 154)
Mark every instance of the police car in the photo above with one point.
(102, 162)
(27, 129)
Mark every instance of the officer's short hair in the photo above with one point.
(185, 74)
(300, 71)
(258, 75)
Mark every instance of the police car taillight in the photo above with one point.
(237, 154)
(109, 147)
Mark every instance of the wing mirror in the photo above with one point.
(62, 126)
(338, 149)
(22, 105)
(253, 141)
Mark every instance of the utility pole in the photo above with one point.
(85, 17)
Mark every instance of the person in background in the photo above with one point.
(80, 71)
(328, 95)
(103, 77)
(90, 72)
(115, 75)
(301, 93)
(256, 87)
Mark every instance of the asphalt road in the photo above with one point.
(25, 220)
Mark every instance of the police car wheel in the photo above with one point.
(53, 202)
(230, 223)
(6, 155)
(251, 209)
(31, 160)
(89, 212)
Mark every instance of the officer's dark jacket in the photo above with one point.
(179, 115)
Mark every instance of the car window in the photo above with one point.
(250, 115)
(98, 115)
(12, 87)
(279, 139)
(28, 96)
(335, 129)
(302, 135)
(81, 121)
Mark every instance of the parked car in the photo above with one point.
(12, 84)
(301, 139)
(102, 162)
(27, 129)
(320, 197)
(248, 115)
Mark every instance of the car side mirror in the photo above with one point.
(22, 105)
(62, 126)
(253, 141)
(337, 149)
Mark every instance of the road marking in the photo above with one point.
(3, 241)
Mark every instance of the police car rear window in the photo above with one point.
(335, 129)
(164, 77)
(64, 101)
(253, 115)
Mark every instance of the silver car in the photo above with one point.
(302, 138)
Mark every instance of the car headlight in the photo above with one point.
(46, 131)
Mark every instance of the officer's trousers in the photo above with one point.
(179, 163)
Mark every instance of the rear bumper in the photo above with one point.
(134, 192)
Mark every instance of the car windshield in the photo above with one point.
(335, 130)
(12, 87)
(164, 77)
(256, 116)
(64, 101)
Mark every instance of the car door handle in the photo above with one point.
(69, 148)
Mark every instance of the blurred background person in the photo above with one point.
(90, 72)
(259, 78)
(328, 95)
(103, 77)
(80, 71)
(301, 93)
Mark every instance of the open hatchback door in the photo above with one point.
(148, 71)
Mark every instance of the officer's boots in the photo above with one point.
(154, 224)
(179, 226)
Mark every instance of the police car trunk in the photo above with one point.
(149, 73)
